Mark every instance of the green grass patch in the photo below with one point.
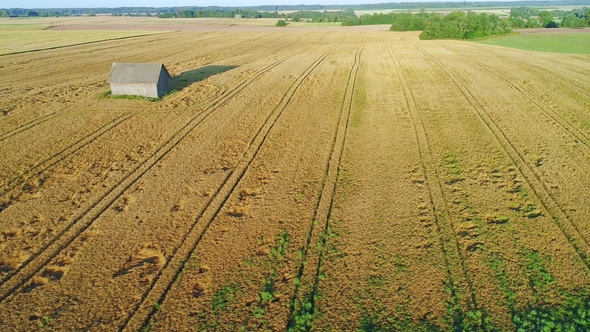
(108, 94)
(535, 264)
(573, 43)
(572, 315)
(223, 297)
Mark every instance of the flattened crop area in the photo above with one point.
(325, 181)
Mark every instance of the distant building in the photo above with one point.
(140, 79)
(238, 16)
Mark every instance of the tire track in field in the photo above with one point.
(176, 63)
(86, 218)
(82, 43)
(51, 161)
(543, 71)
(172, 64)
(13, 183)
(166, 277)
(46, 164)
(561, 219)
(319, 227)
(550, 77)
(62, 155)
(561, 121)
(439, 204)
(68, 57)
(190, 62)
(35, 122)
(205, 39)
(572, 86)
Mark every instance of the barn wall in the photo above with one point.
(143, 90)
(164, 84)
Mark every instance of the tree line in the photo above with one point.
(460, 25)
(16, 12)
(313, 16)
(325, 16)
(525, 17)
(220, 13)
(402, 21)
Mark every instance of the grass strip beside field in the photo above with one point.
(573, 43)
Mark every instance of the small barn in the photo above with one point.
(140, 79)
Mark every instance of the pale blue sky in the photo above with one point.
(170, 3)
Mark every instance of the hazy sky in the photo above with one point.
(169, 3)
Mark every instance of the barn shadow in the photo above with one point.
(187, 78)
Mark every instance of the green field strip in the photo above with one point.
(573, 43)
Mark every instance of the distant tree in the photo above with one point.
(458, 25)
(4, 14)
(533, 23)
(185, 14)
(295, 19)
(527, 12)
(552, 24)
(31, 13)
(409, 22)
(546, 17)
(281, 23)
(514, 13)
(573, 21)
(517, 23)
(92, 14)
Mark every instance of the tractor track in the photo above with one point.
(73, 148)
(166, 277)
(581, 136)
(38, 121)
(325, 202)
(81, 44)
(84, 219)
(54, 160)
(31, 124)
(216, 51)
(561, 219)
(553, 76)
(34, 123)
(579, 90)
(205, 39)
(438, 200)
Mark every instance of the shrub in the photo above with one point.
(281, 23)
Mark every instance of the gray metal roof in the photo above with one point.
(136, 73)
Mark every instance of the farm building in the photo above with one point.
(140, 79)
